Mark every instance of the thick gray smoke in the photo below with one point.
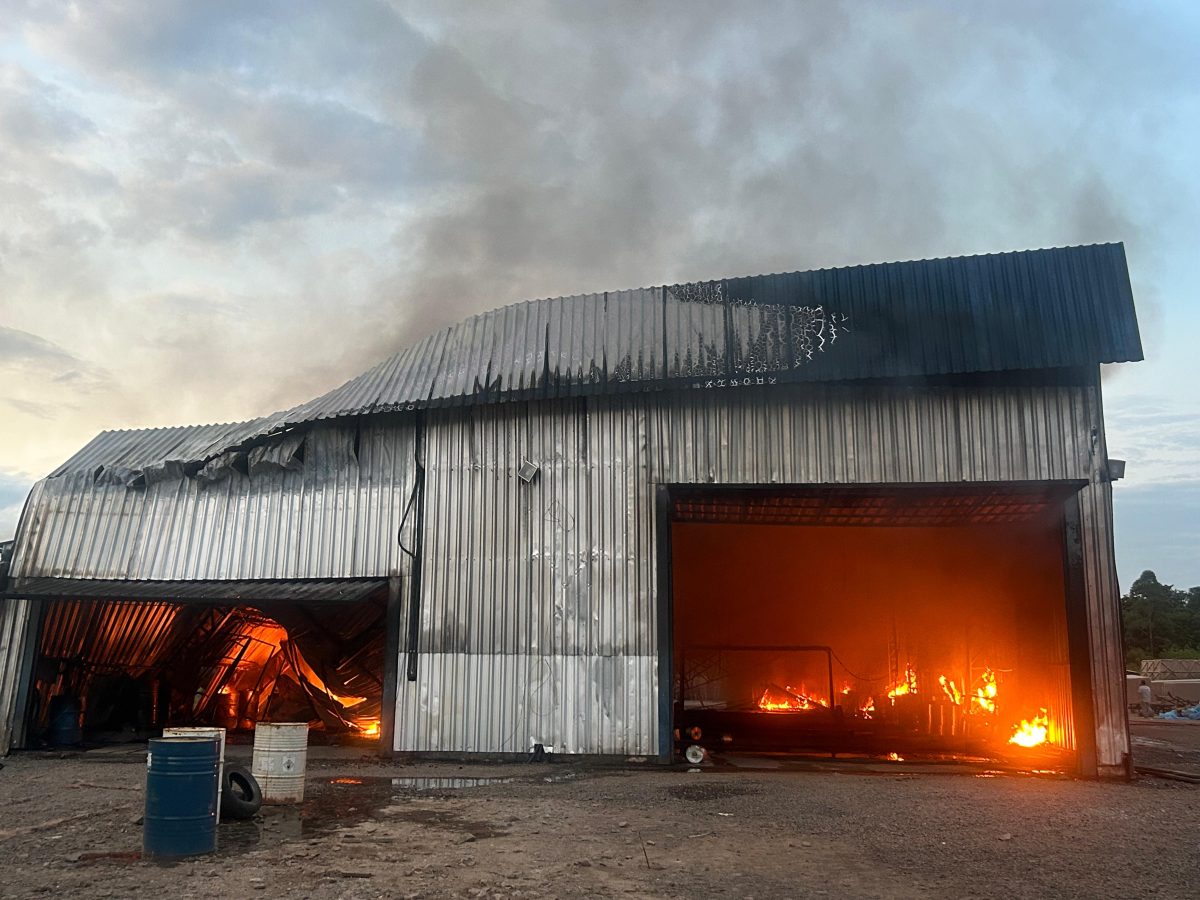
(244, 204)
(587, 147)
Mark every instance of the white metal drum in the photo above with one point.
(280, 755)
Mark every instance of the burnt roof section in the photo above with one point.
(1033, 309)
(131, 452)
(1060, 308)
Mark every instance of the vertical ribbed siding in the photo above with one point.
(523, 639)
(14, 626)
(1104, 627)
(337, 516)
(538, 623)
(847, 435)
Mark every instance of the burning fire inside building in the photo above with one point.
(116, 669)
(875, 623)
(855, 511)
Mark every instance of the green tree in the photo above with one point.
(1158, 618)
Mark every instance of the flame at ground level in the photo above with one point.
(1032, 733)
(367, 727)
(980, 699)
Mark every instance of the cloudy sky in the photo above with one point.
(209, 211)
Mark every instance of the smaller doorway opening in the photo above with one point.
(113, 670)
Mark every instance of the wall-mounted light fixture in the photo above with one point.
(527, 471)
(1116, 469)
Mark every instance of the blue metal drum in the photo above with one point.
(181, 797)
(64, 721)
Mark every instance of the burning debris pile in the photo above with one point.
(258, 673)
(109, 669)
(781, 699)
(980, 701)
(976, 711)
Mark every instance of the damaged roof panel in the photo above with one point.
(1035, 309)
(135, 450)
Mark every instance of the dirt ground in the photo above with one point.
(1166, 744)
(370, 829)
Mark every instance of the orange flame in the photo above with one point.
(950, 690)
(868, 707)
(907, 686)
(782, 699)
(1032, 733)
(985, 697)
(367, 727)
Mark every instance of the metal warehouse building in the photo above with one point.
(856, 511)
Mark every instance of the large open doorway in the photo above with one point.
(113, 670)
(875, 621)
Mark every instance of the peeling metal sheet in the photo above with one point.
(1029, 310)
(153, 448)
(338, 515)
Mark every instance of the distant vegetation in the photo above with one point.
(1161, 622)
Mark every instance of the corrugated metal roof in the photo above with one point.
(110, 634)
(1034, 309)
(130, 452)
(339, 515)
(346, 590)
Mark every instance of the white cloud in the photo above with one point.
(14, 488)
(1159, 438)
(230, 207)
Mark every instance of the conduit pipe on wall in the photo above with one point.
(417, 553)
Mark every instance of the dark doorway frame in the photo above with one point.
(1065, 491)
(389, 591)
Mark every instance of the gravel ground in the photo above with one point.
(1166, 745)
(562, 830)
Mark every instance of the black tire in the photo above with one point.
(241, 797)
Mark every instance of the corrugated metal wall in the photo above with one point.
(15, 618)
(538, 618)
(537, 609)
(337, 516)
(1104, 627)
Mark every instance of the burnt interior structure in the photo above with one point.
(886, 621)
(802, 492)
(113, 669)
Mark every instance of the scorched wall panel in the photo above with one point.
(337, 515)
(538, 621)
